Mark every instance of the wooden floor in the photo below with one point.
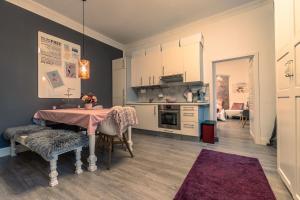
(157, 171)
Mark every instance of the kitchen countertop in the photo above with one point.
(165, 103)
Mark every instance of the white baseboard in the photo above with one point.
(6, 150)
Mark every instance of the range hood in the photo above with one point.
(172, 78)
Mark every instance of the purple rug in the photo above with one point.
(216, 176)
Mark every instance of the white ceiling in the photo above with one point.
(127, 21)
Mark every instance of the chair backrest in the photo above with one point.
(237, 106)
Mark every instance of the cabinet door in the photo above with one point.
(298, 146)
(137, 63)
(172, 58)
(119, 82)
(154, 64)
(190, 128)
(286, 140)
(284, 23)
(191, 62)
(284, 73)
(297, 67)
(297, 18)
(147, 117)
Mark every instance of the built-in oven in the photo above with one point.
(169, 116)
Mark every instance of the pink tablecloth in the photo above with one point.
(88, 119)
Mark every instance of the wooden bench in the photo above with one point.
(48, 143)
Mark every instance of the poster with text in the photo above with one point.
(57, 67)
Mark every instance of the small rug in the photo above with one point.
(222, 176)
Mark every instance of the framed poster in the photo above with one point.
(57, 67)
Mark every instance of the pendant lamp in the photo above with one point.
(84, 64)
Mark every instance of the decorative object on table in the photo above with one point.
(204, 180)
(84, 64)
(89, 100)
(57, 67)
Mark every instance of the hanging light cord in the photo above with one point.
(83, 44)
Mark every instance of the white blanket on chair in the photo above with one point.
(122, 117)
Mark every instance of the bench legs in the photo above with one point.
(12, 148)
(78, 161)
(53, 173)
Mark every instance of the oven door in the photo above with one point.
(169, 119)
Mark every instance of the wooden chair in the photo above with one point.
(245, 117)
(106, 138)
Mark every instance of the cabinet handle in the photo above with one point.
(168, 131)
(141, 81)
(123, 97)
(153, 80)
(184, 76)
(154, 110)
(289, 72)
(149, 80)
(188, 126)
(188, 114)
(163, 72)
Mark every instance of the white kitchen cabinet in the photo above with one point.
(286, 141)
(189, 120)
(284, 24)
(118, 82)
(154, 65)
(284, 70)
(192, 58)
(172, 58)
(190, 128)
(297, 18)
(138, 61)
(298, 146)
(147, 116)
(287, 14)
(297, 64)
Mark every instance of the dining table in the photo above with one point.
(88, 119)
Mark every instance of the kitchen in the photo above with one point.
(165, 86)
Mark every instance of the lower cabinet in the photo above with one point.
(190, 128)
(190, 116)
(189, 120)
(147, 116)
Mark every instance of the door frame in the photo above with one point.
(255, 57)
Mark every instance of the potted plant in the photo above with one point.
(89, 100)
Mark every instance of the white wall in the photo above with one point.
(239, 32)
(238, 71)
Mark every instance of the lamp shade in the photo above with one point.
(84, 69)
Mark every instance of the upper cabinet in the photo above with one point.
(284, 24)
(192, 58)
(153, 65)
(297, 18)
(182, 56)
(172, 58)
(138, 61)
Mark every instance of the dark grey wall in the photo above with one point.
(18, 64)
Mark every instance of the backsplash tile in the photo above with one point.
(144, 95)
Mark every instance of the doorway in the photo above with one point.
(236, 95)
